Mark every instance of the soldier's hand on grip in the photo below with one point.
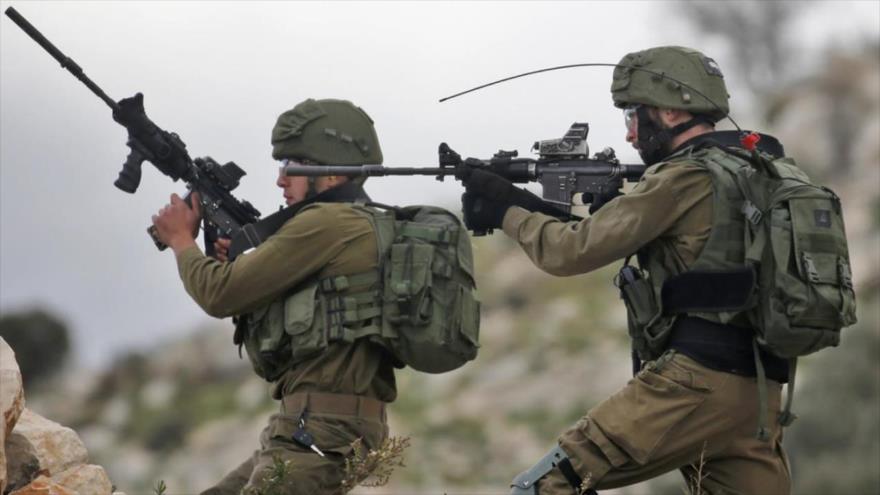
(599, 200)
(221, 249)
(482, 214)
(500, 190)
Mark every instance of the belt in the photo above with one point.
(723, 348)
(326, 403)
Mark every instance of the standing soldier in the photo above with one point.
(332, 392)
(695, 397)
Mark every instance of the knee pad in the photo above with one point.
(526, 483)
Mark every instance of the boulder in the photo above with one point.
(85, 480)
(43, 486)
(58, 448)
(22, 464)
(11, 401)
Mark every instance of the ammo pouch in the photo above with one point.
(283, 333)
(647, 329)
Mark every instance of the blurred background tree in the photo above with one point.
(755, 33)
(41, 341)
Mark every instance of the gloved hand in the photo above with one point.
(497, 188)
(598, 200)
(481, 214)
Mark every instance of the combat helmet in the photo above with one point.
(329, 132)
(631, 85)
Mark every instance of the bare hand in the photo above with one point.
(221, 249)
(177, 223)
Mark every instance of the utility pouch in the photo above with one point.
(637, 294)
(262, 334)
(641, 307)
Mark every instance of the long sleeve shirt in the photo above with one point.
(672, 204)
(325, 240)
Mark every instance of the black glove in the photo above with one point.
(497, 188)
(489, 195)
(598, 200)
(481, 214)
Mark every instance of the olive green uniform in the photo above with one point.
(675, 409)
(344, 388)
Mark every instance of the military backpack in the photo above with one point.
(776, 261)
(795, 235)
(420, 303)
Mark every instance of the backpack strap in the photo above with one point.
(763, 432)
(786, 417)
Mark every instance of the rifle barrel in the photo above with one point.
(362, 170)
(65, 61)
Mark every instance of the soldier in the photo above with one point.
(695, 397)
(331, 393)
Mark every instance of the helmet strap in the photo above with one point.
(312, 191)
(654, 139)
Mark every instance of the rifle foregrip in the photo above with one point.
(130, 176)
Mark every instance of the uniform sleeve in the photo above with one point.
(302, 246)
(625, 224)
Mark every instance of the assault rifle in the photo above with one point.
(224, 215)
(563, 169)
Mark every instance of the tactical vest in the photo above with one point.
(776, 262)
(420, 303)
(650, 318)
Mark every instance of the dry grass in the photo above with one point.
(695, 483)
(373, 468)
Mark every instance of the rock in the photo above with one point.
(58, 448)
(22, 465)
(43, 486)
(85, 480)
(11, 401)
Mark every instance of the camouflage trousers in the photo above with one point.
(678, 414)
(305, 471)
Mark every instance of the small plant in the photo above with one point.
(695, 481)
(160, 487)
(373, 468)
(274, 480)
(585, 484)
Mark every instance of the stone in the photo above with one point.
(43, 486)
(22, 465)
(11, 389)
(85, 480)
(11, 402)
(58, 448)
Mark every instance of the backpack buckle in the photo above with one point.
(786, 418)
(752, 213)
(844, 272)
(810, 268)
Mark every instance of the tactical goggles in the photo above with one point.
(629, 114)
(292, 161)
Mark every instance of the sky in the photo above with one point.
(219, 74)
